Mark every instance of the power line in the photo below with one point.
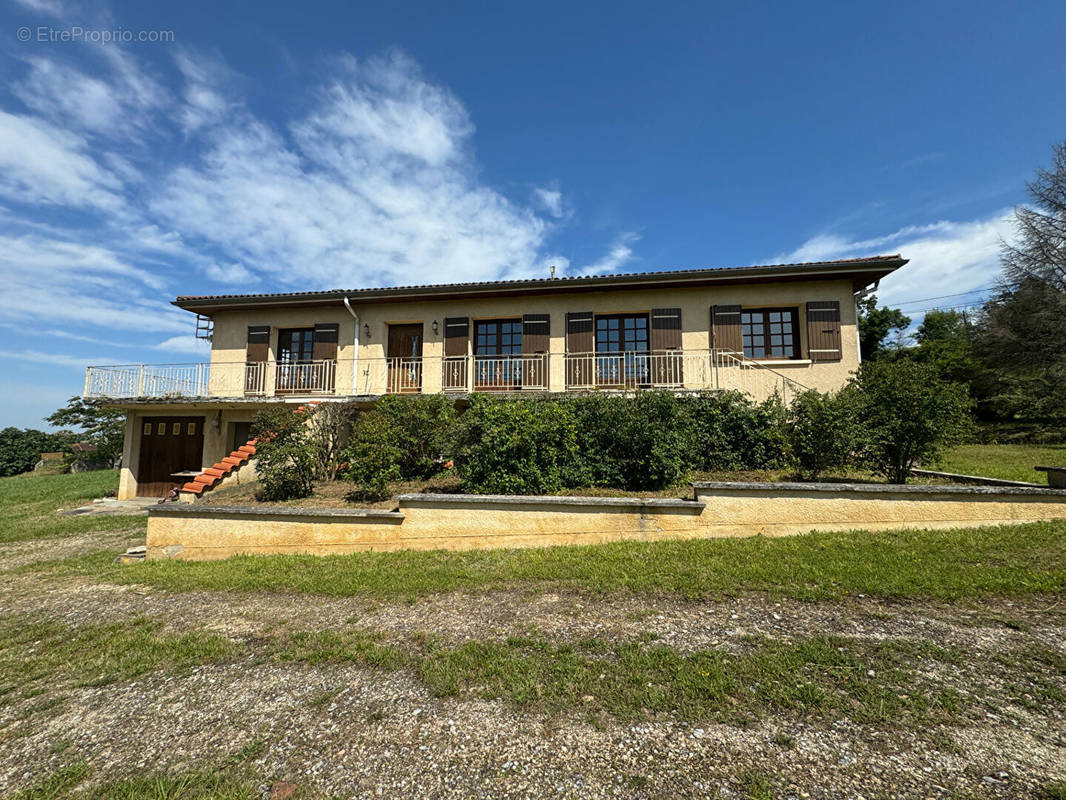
(943, 296)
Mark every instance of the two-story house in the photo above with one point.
(760, 330)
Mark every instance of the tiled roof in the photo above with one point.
(887, 262)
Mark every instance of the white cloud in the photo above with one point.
(620, 254)
(375, 185)
(186, 344)
(42, 164)
(121, 103)
(946, 257)
(55, 8)
(551, 200)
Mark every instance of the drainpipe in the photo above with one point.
(862, 294)
(355, 356)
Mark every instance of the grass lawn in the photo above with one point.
(1012, 462)
(1016, 560)
(29, 502)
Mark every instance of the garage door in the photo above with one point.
(168, 445)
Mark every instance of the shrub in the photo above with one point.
(823, 431)
(330, 425)
(403, 437)
(731, 432)
(910, 414)
(284, 454)
(517, 446)
(636, 443)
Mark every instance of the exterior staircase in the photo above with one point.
(215, 474)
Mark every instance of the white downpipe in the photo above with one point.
(355, 354)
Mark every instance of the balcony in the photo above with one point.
(554, 372)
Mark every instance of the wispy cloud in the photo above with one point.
(946, 257)
(620, 254)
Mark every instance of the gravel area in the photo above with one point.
(353, 732)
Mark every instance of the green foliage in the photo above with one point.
(104, 427)
(637, 443)
(824, 431)
(875, 325)
(403, 437)
(285, 454)
(909, 413)
(518, 446)
(20, 449)
(730, 432)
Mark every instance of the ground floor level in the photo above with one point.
(165, 444)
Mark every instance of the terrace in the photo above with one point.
(708, 370)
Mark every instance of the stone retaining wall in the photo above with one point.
(463, 522)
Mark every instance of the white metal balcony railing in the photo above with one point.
(687, 370)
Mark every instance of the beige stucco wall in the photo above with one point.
(465, 522)
(231, 327)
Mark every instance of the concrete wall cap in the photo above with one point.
(560, 500)
(878, 488)
(198, 509)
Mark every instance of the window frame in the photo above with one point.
(514, 336)
(622, 317)
(747, 336)
(285, 349)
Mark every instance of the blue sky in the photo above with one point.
(271, 147)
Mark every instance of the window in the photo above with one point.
(622, 350)
(770, 333)
(622, 333)
(295, 345)
(497, 337)
(495, 342)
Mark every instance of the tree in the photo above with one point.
(284, 455)
(104, 427)
(1019, 337)
(909, 414)
(1040, 252)
(875, 325)
(20, 449)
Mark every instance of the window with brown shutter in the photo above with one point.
(823, 330)
(325, 341)
(770, 333)
(580, 339)
(456, 336)
(536, 333)
(456, 348)
(667, 367)
(725, 329)
(258, 343)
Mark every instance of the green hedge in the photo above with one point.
(645, 442)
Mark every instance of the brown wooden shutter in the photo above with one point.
(325, 344)
(665, 329)
(456, 336)
(535, 333)
(536, 341)
(580, 333)
(258, 344)
(580, 338)
(823, 330)
(725, 329)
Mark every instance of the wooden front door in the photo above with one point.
(168, 445)
(405, 358)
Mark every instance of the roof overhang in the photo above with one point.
(861, 272)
